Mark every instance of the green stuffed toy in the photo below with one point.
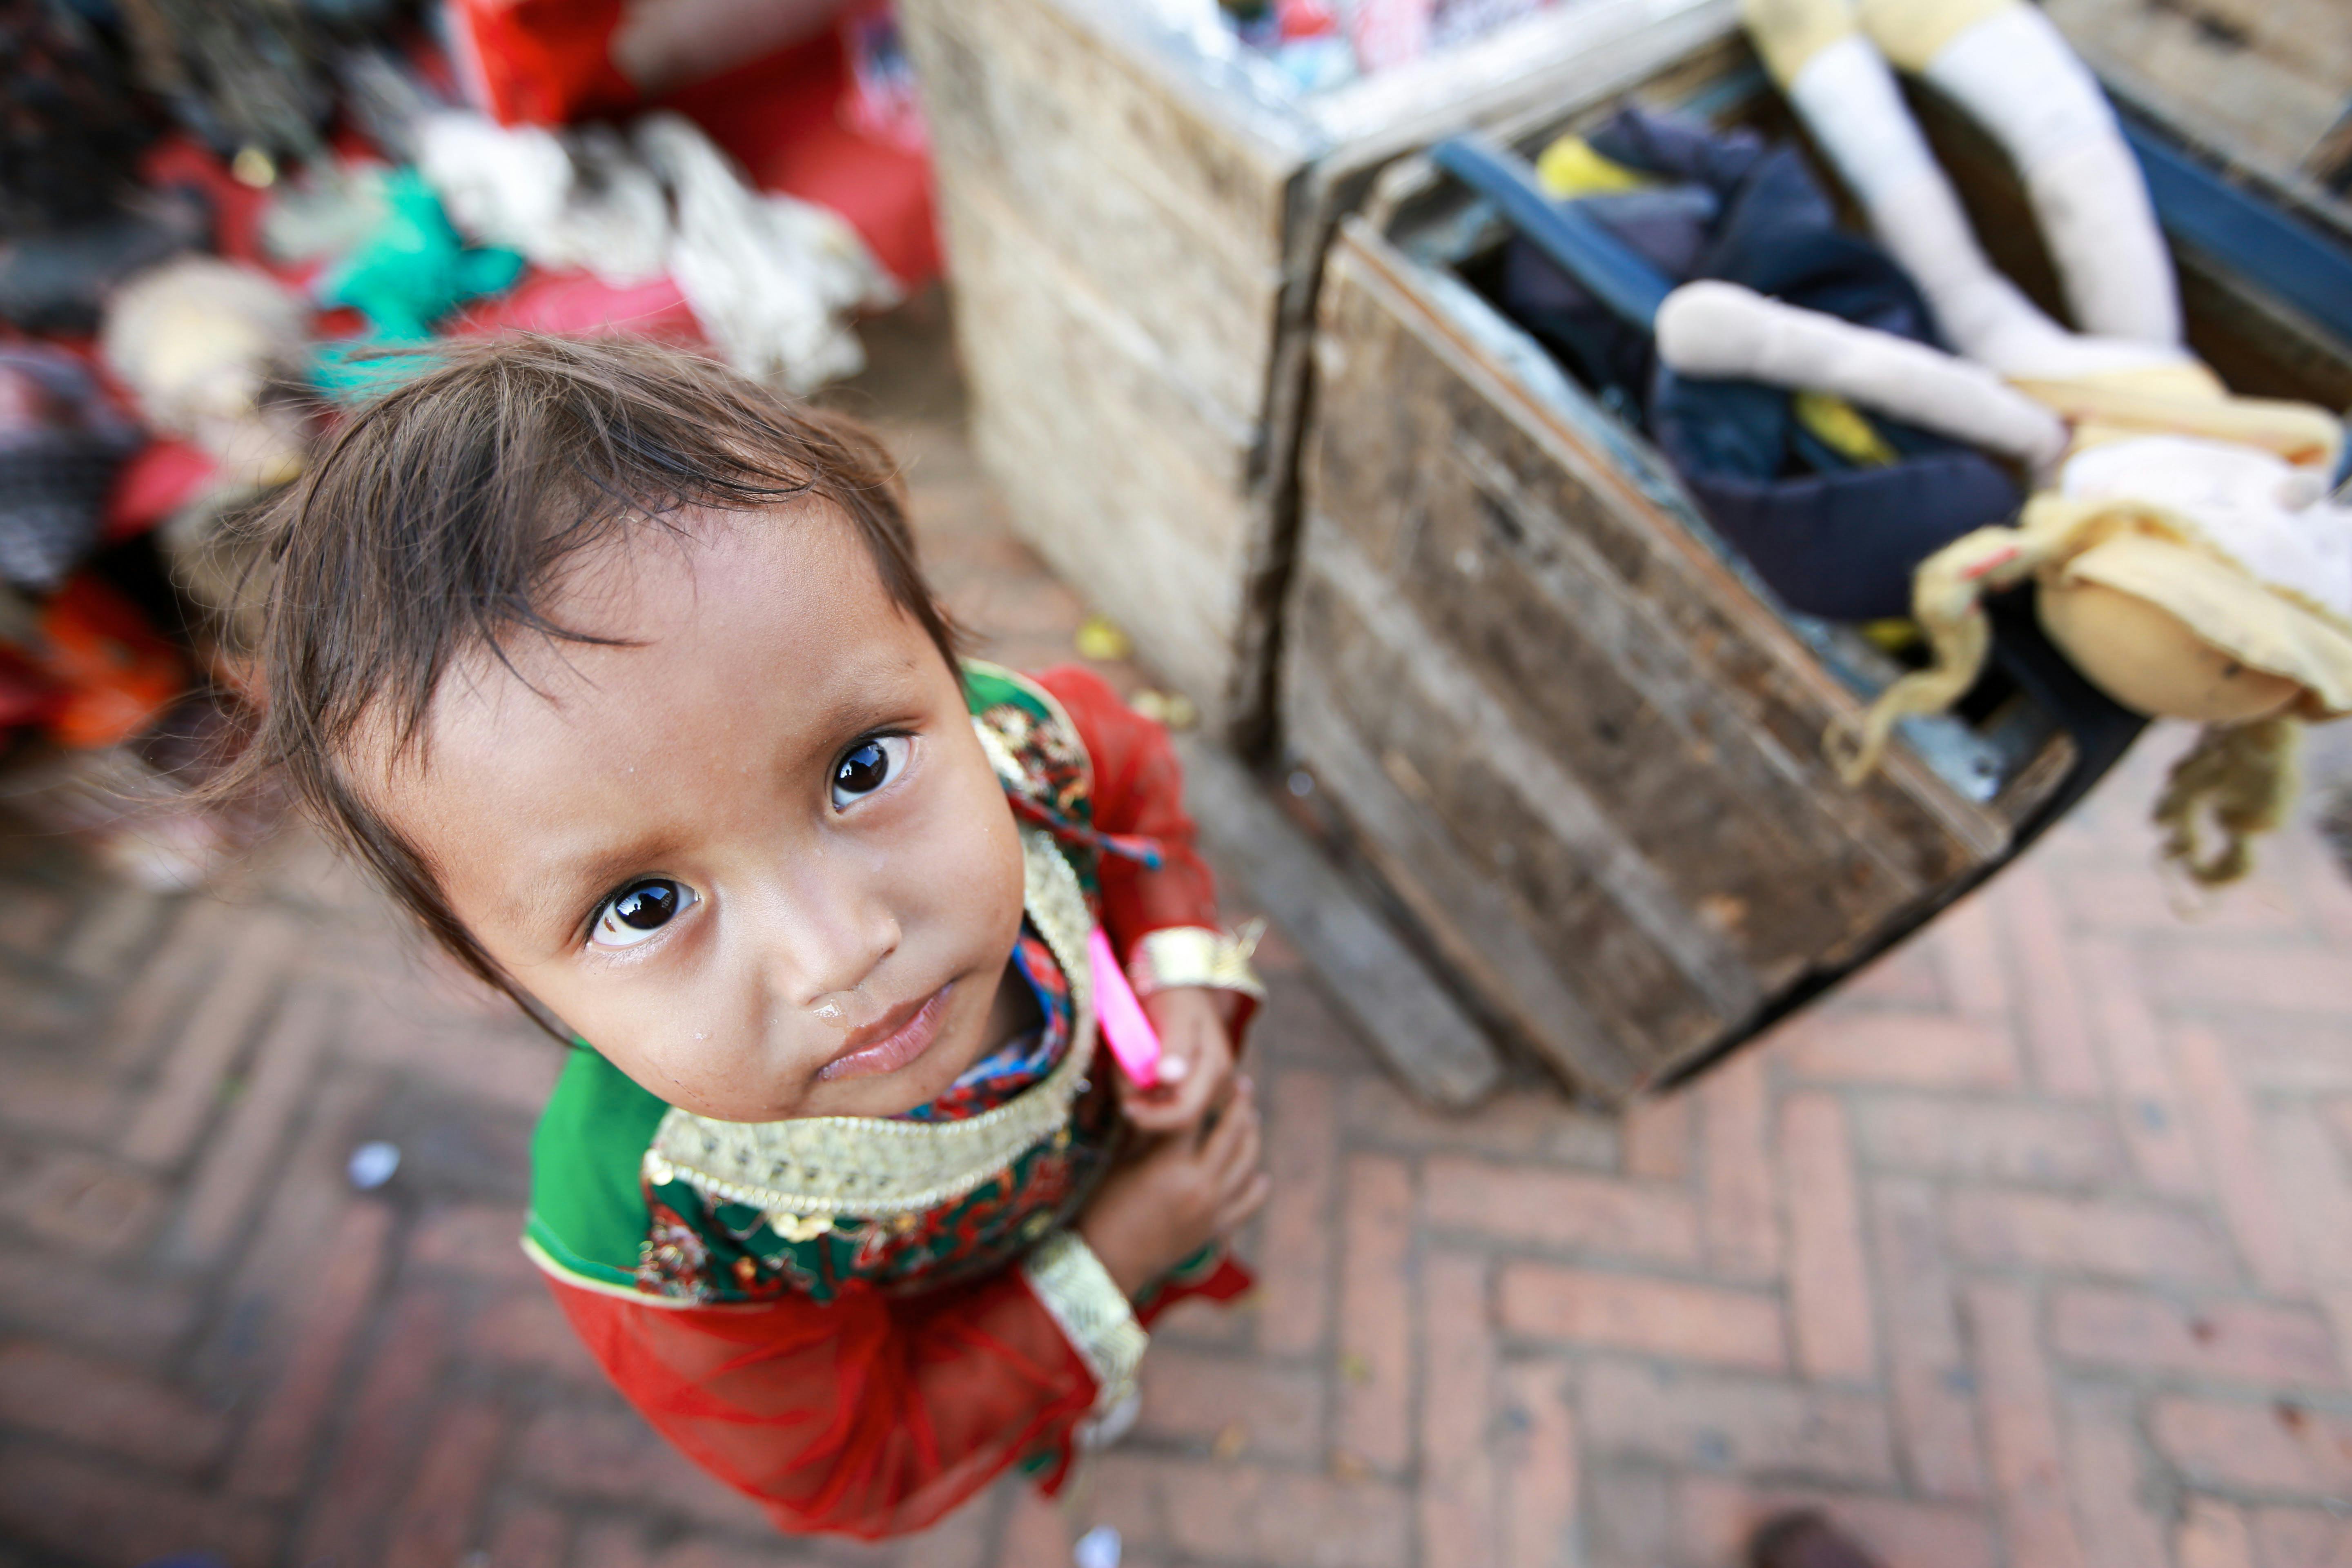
(410, 272)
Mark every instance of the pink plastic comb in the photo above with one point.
(1132, 1038)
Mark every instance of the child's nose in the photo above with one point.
(832, 944)
(839, 963)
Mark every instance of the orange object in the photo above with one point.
(539, 62)
(116, 671)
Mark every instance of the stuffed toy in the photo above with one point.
(2184, 551)
(775, 282)
(203, 344)
(774, 279)
(579, 202)
(2002, 62)
(1831, 508)
(214, 351)
(414, 269)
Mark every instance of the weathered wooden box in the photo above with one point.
(1578, 744)
(2266, 85)
(1134, 233)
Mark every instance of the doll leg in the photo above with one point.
(2005, 63)
(1844, 92)
(1721, 330)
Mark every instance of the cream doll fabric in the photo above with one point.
(1841, 86)
(2009, 68)
(1722, 330)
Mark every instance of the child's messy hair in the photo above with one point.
(441, 517)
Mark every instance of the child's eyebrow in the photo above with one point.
(560, 895)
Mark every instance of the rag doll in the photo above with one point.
(2184, 549)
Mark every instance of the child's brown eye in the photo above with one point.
(867, 767)
(639, 910)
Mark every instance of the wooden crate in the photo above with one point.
(1577, 741)
(1134, 236)
(2266, 85)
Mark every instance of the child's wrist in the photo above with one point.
(1127, 1271)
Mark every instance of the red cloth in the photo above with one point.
(158, 480)
(577, 304)
(1139, 790)
(539, 62)
(874, 1415)
(549, 61)
(871, 1416)
(781, 117)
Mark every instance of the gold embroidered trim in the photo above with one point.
(994, 744)
(1195, 955)
(808, 1171)
(555, 1270)
(1094, 1314)
(1000, 755)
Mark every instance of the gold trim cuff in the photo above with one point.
(1195, 955)
(1092, 1312)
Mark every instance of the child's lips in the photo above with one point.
(891, 1041)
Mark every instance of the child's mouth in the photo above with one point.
(891, 1041)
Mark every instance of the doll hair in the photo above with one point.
(441, 517)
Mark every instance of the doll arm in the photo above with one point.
(2007, 65)
(1842, 89)
(1163, 919)
(872, 1414)
(1721, 330)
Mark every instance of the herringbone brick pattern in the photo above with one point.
(2034, 1247)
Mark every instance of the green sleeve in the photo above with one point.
(588, 1214)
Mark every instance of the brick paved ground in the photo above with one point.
(2033, 1248)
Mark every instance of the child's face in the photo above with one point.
(685, 847)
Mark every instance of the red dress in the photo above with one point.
(861, 1324)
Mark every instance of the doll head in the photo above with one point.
(619, 674)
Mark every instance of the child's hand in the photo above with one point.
(1196, 1059)
(1185, 1191)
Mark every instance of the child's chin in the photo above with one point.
(903, 1089)
(880, 1095)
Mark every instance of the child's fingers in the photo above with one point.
(1217, 1093)
(1167, 1112)
(1218, 1132)
(1195, 1063)
(1238, 1210)
(1241, 1117)
(1244, 1154)
(1191, 1102)
(1236, 1122)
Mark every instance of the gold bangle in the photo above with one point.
(1079, 1293)
(1195, 955)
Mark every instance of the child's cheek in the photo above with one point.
(969, 862)
(722, 1071)
(705, 1044)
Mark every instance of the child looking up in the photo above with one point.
(619, 674)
